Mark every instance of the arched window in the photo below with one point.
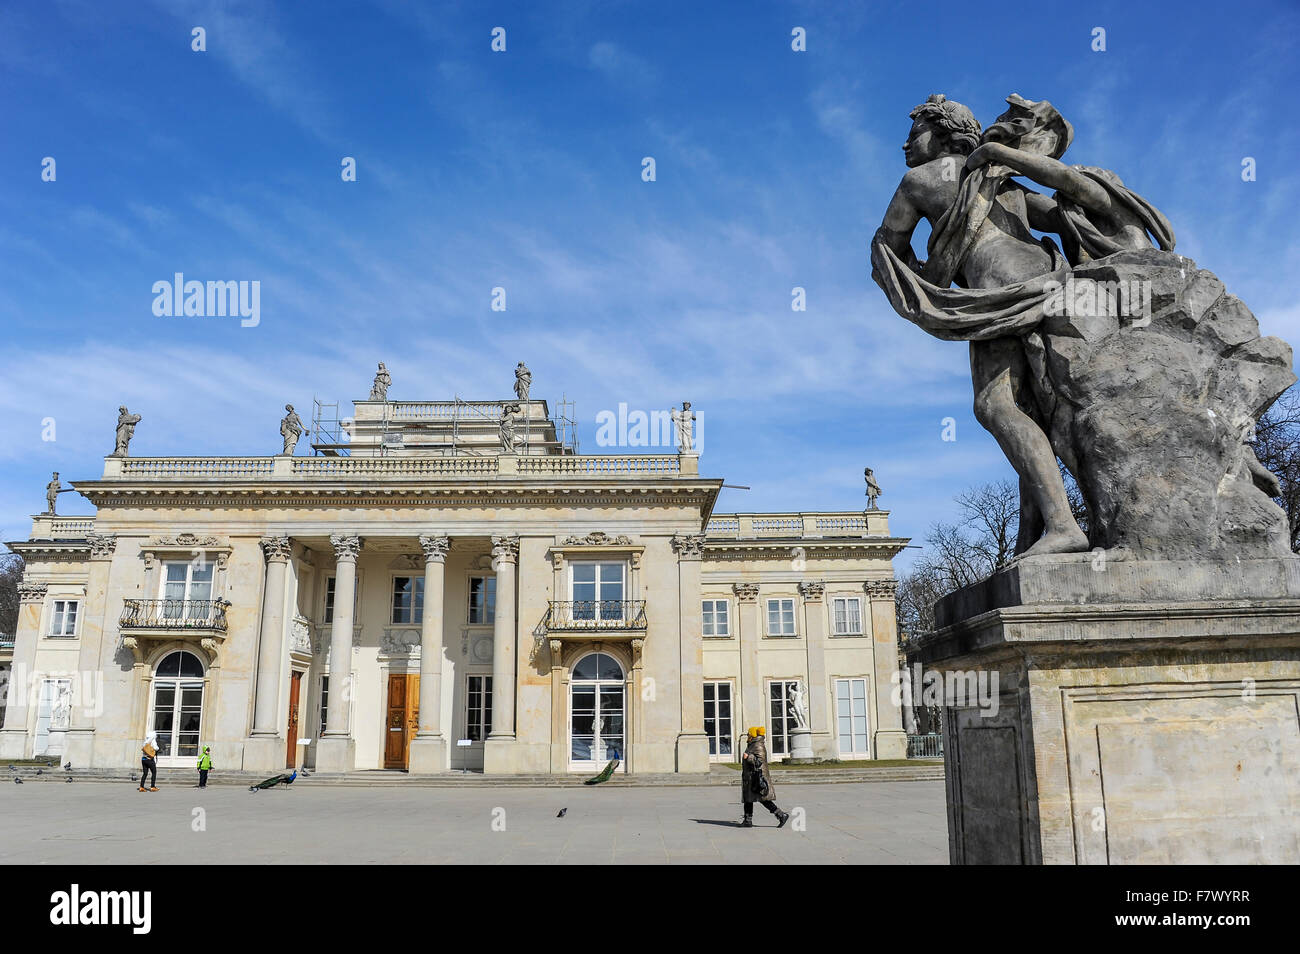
(176, 712)
(597, 705)
(597, 666)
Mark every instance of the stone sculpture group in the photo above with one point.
(1110, 351)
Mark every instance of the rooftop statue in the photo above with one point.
(379, 390)
(1110, 351)
(506, 429)
(52, 490)
(873, 488)
(126, 422)
(683, 419)
(523, 381)
(291, 429)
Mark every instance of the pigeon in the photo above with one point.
(69, 779)
(67, 766)
(40, 771)
(305, 774)
(17, 780)
(562, 811)
(12, 769)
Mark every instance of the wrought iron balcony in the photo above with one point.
(174, 615)
(595, 615)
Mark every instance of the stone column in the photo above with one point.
(497, 749)
(270, 649)
(692, 743)
(88, 687)
(821, 703)
(14, 740)
(336, 751)
(890, 741)
(749, 703)
(429, 747)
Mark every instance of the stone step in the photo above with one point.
(187, 778)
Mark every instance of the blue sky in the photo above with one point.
(522, 170)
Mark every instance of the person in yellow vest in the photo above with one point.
(756, 780)
(149, 761)
(205, 766)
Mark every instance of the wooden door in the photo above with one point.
(295, 686)
(403, 718)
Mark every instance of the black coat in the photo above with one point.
(751, 768)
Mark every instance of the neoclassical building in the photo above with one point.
(448, 585)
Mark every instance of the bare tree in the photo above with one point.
(1277, 445)
(11, 572)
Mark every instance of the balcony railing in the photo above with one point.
(925, 746)
(584, 615)
(174, 614)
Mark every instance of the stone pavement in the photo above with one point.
(101, 823)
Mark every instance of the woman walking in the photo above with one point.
(149, 761)
(756, 780)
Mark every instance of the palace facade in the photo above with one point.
(447, 586)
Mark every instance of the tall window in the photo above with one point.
(846, 615)
(187, 590)
(598, 590)
(408, 599)
(780, 617)
(63, 618)
(717, 719)
(482, 599)
(329, 600)
(851, 715)
(780, 696)
(478, 708)
(324, 701)
(713, 616)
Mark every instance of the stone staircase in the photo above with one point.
(719, 776)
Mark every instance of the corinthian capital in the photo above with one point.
(31, 592)
(882, 589)
(688, 546)
(812, 591)
(435, 548)
(346, 546)
(745, 592)
(102, 545)
(505, 549)
(276, 548)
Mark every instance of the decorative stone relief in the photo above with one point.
(31, 592)
(598, 539)
(400, 642)
(186, 540)
(746, 592)
(300, 636)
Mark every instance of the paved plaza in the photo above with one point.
(111, 823)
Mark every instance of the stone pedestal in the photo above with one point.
(801, 747)
(265, 754)
(428, 756)
(1143, 713)
(336, 755)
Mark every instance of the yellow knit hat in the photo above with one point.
(757, 732)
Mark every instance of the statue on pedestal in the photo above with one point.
(873, 488)
(126, 422)
(799, 706)
(1110, 352)
(523, 381)
(52, 493)
(291, 429)
(379, 390)
(683, 420)
(507, 428)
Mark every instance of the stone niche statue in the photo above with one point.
(379, 389)
(52, 490)
(873, 488)
(1108, 351)
(683, 420)
(291, 429)
(523, 381)
(126, 422)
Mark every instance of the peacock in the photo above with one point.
(274, 781)
(605, 773)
